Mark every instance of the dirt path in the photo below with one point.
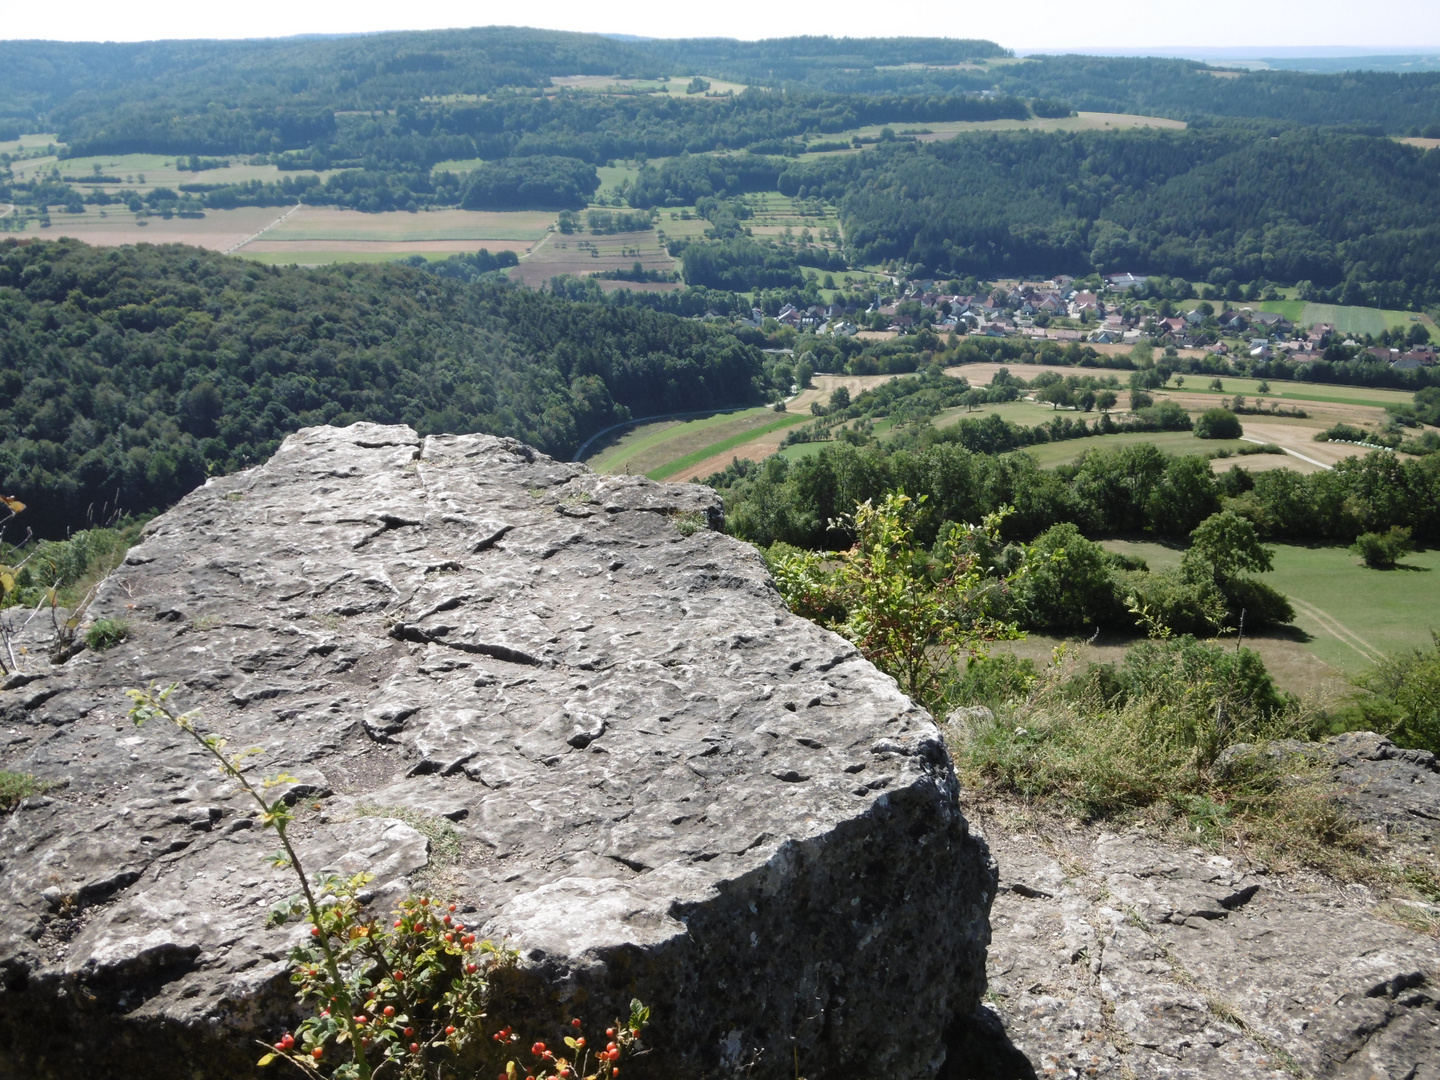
(1299, 442)
(278, 221)
(543, 241)
(1338, 630)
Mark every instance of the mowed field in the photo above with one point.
(584, 253)
(948, 129)
(683, 451)
(311, 235)
(326, 234)
(1347, 319)
(691, 449)
(1346, 613)
(218, 230)
(157, 170)
(674, 86)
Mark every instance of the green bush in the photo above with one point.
(1070, 584)
(106, 633)
(995, 680)
(1381, 551)
(1403, 697)
(1218, 424)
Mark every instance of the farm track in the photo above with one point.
(278, 221)
(1338, 630)
(1291, 453)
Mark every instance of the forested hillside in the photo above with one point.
(1219, 204)
(333, 96)
(126, 374)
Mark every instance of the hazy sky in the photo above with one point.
(1080, 26)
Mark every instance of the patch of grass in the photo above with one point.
(15, 786)
(444, 846)
(106, 634)
(689, 522)
(1346, 612)
(697, 456)
(648, 446)
(1171, 442)
(1081, 744)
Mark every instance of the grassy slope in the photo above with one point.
(1347, 610)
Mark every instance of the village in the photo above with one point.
(1111, 311)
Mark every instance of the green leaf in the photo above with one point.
(266, 1060)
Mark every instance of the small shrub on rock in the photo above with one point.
(414, 999)
(106, 634)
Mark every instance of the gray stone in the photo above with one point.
(656, 781)
(1116, 955)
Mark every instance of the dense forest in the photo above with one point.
(127, 374)
(1212, 205)
(423, 97)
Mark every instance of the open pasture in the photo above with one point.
(582, 253)
(309, 235)
(1287, 653)
(218, 230)
(158, 170)
(330, 224)
(693, 449)
(647, 448)
(29, 143)
(937, 131)
(1346, 319)
(1347, 614)
(1178, 443)
(609, 84)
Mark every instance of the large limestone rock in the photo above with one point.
(558, 697)
(1116, 955)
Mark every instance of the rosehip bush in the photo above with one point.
(412, 1000)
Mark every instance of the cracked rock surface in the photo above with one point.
(558, 697)
(1118, 956)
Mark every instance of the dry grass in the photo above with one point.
(582, 253)
(1156, 759)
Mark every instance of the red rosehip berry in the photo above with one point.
(538, 1049)
(314, 931)
(414, 1048)
(389, 1010)
(470, 969)
(609, 1033)
(575, 1022)
(399, 976)
(580, 1041)
(318, 1053)
(409, 1032)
